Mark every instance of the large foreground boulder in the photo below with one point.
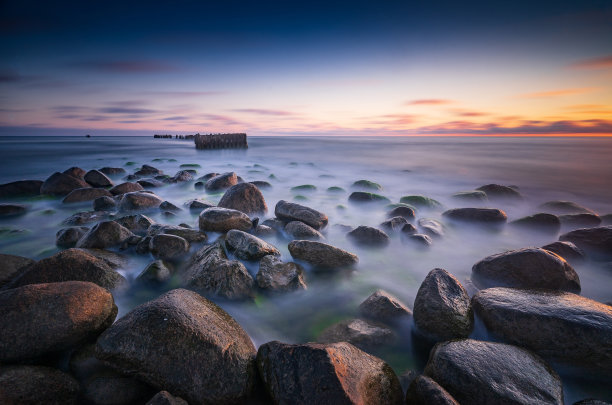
(485, 216)
(39, 319)
(244, 197)
(183, 343)
(288, 211)
(11, 266)
(526, 268)
(476, 372)
(337, 373)
(61, 184)
(215, 219)
(33, 385)
(321, 255)
(557, 325)
(596, 242)
(104, 235)
(248, 247)
(20, 188)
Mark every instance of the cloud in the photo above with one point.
(559, 93)
(526, 127)
(183, 93)
(604, 62)
(222, 119)
(259, 111)
(9, 76)
(176, 118)
(125, 110)
(429, 101)
(125, 66)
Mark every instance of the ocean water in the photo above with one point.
(543, 169)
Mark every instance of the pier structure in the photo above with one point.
(221, 141)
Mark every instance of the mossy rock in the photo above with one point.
(336, 189)
(363, 196)
(304, 187)
(341, 207)
(420, 201)
(273, 177)
(390, 207)
(367, 184)
(300, 198)
(172, 160)
(157, 160)
(47, 212)
(130, 163)
(188, 165)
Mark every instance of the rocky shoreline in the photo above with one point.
(61, 342)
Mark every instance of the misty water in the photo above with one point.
(543, 169)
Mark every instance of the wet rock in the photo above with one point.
(20, 188)
(337, 373)
(104, 235)
(475, 196)
(367, 185)
(199, 333)
(475, 372)
(394, 224)
(321, 255)
(155, 273)
(142, 247)
(210, 270)
(180, 177)
(208, 176)
(274, 275)
(244, 197)
(417, 239)
(150, 183)
(442, 309)
(217, 219)
(541, 222)
(275, 223)
(477, 215)
(96, 178)
(526, 268)
(61, 184)
(85, 194)
(168, 206)
(401, 211)
(424, 391)
(139, 201)
(75, 172)
(248, 247)
(288, 211)
(564, 207)
(537, 319)
(384, 307)
(199, 204)
(39, 319)
(11, 266)
(406, 378)
(190, 235)
(136, 223)
(299, 230)
(596, 242)
(7, 210)
(573, 221)
(85, 217)
(336, 189)
(408, 229)
(221, 181)
(566, 250)
(69, 265)
(591, 401)
(32, 385)
(362, 196)
(104, 203)
(68, 237)
(364, 334)
(168, 246)
(264, 230)
(499, 192)
(368, 236)
(420, 201)
(112, 171)
(147, 170)
(165, 398)
(261, 184)
(111, 388)
(431, 227)
(127, 187)
(113, 259)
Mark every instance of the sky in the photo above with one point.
(332, 68)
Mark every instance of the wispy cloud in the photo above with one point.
(185, 94)
(559, 93)
(259, 111)
(604, 62)
(125, 66)
(125, 110)
(429, 101)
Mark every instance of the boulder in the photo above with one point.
(136, 223)
(7, 210)
(11, 266)
(442, 309)
(476, 372)
(368, 236)
(75, 172)
(85, 217)
(541, 222)
(248, 247)
(61, 184)
(595, 242)
(104, 204)
(139, 201)
(96, 178)
(70, 265)
(168, 247)
(85, 194)
(199, 204)
(424, 391)
(394, 224)
(401, 211)
(180, 177)
(275, 223)
(321, 255)
(526, 268)
(168, 206)
(150, 183)
(384, 307)
(221, 181)
(564, 207)
(261, 184)
(165, 398)
(126, 188)
(431, 227)
(299, 230)
(112, 171)
(417, 239)
(68, 237)
(190, 235)
(584, 220)
(263, 230)
(337, 373)
(499, 192)
(471, 196)
(244, 197)
(288, 211)
(208, 176)
(20, 188)
(487, 216)
(210, 270)
(147, 170)
(156, 272)
(111, 388)
(209, 357)
(558, 325)
(217, 219)
(566, 250)
(104, 235)
(408, 229)
(364, 334)
(40, 319)
(367, 185)
(420, 201)
(365, 197)
(32, 385)
(274, 275)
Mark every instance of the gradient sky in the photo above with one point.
(306, 68)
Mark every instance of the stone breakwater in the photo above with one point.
(60, 341)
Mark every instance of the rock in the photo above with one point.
(208, 176)
(477, 215)
(365, 335)
(104, 235)
(104, 204)
(217, 219)
(580, 220)
(165, 398)
(221, 181)
(85, 194)
(168, 206)
(155, 273)
(199, 204)
(424, 391)
(542, 222)
(261, 184)
(180, 176)
(321, 255)
(263, 230)
(526, 268)
(114, 260)
(362, 196)
(136, 223)
(475, 372)
(564, 207)
(70, 265)
(288, 211)
(442, 309)
(384, 307)
(474, 195)
(112, 388)
(408, 229)
(367, 185)
(406, 378)
(112, 171)
(7, 210)
(168, 247)
(431, 227)
(32, 385)
(248, 247)
(566, 250)
(420, 201)
(596, 242)
(75, 172)
(150, 183)
(85, 217)
(275, 223)
(337, 373)
(368, 236)
(417, 239)
(126, 188)
(299, 230)
(20, 188)
(499, 192)
(244, 197)
(96, 178)
(40, 319)
(557, 325)
(198, 333)
(394, 224)
(61, 184)
(190, 235)
(83, 363)
(401, 211)
(591, 401)
(11, 266)
(147, 170)
(276, 276)
(68, 237)
(142, 247)
(139, 201)
(210, 271)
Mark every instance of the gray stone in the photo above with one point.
(248, 247)
(7, 210)
(85, 194)
(217, 219)
(584, 220)
(425, 391)
(364, 334)
(499, 192)
(20, 188)
(221, 181)
(33, 385)
(11, 266)
(156, 272)
(126, 188)
(566, 250)
(147, 170)
(85, 217)
(274, 275)
(112, 388)
(97, 179)
(472, 196)
(418, 239)
(244, 197)
(135, 201)
(61, 184)
(190, 235)
(564, 207)
(299, 230)
(165, 398)
(365, 197)
(104, 235)
(112, 171)
(384, 307)
(401, 211)
(168, 247)
(104, 203)
(596, 242)
(368, 236)
(431, 227)
(288, 211)
(136, 223)
(394, 224)
(321, 255)
(68, 237)
(541, 222)
(491, 216)
(180, 177)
